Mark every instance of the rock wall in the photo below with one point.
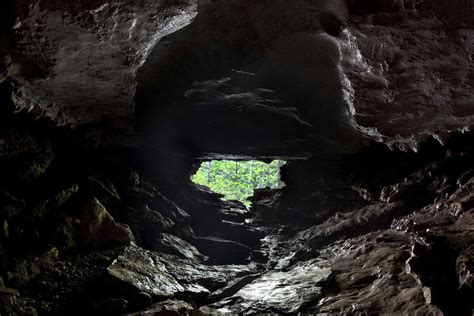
(75, 62)
(410, 67)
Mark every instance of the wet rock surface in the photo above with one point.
(279, 292)
(169, 307)
(107, 108)
(397, 243)
(167, 276)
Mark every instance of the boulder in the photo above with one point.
(147, 224)
(170, 209)
(174, 245)
(141, 270)
(100, 230)
(169, 307)
(147, 219)
(278, 291)
(167, 276)
(104, 190)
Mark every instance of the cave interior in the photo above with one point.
(108, 108)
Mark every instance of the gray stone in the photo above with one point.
(169, 307)
(168, 276)
(147, 273)
(96, 53)
(100, 230)
(279, 291)
(174, 245)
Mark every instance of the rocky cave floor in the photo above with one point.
(87, 232)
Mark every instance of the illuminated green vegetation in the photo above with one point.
(237, 180)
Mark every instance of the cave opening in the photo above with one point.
(343, 187)
(237, 180)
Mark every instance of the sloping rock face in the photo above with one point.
(285, 292)
(410, 68)
(108, 107)
(75, 62)
(333, 74)
(99, 228)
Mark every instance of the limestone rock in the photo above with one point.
(167, 276)
(174, 245)
(279, 291)
(100, 230)
(147, 224)
(148, 274)
(87, 52)
(169, 307)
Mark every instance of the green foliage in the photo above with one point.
(237, 180)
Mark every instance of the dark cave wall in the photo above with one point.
(95, 46)
(456, 13)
